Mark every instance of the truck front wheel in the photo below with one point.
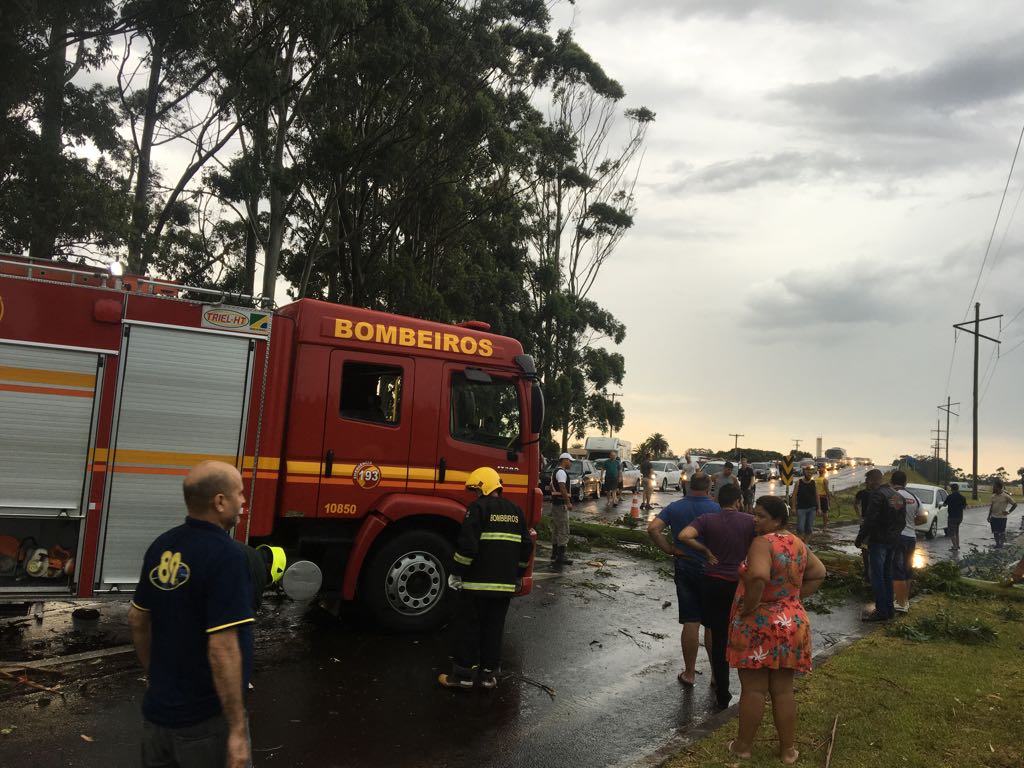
(406, 583)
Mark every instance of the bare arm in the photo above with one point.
(656, 530)
(814, 574)
(688, 536)
(759, 571)
(226, 665)
(142, 635)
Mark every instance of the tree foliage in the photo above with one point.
(444, 160)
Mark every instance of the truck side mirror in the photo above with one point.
(536, 409)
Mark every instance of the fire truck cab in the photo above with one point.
(355, 432)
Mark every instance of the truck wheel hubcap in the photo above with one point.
(414, 583)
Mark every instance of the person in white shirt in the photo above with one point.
(561, 503)
(903, 562)
(690, 469)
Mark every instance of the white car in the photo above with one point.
(931, 496)
(667, 474)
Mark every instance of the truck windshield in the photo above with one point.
(485, 413)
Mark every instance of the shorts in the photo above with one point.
(688, 588)
(824, 504)
(953, 524)
(903, 560)
(805, 520)
(998, 524)
(612, 485)
(748, 495)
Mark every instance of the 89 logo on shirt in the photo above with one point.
(171, 573)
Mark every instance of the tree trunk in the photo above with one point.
(49, 175)
(138, 249)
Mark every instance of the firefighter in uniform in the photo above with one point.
(491, 556)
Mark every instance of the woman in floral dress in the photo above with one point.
(769, 634)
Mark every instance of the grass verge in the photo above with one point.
(927, 702)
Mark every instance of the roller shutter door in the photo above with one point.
(46, 410)
(183, 397)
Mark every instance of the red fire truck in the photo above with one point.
(355, 431)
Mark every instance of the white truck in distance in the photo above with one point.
(601, 448)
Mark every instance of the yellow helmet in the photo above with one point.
(484, 479)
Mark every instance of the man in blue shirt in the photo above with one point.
(689, 567)
(956, 504)
(191, 620)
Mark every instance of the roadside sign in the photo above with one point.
(786, 470)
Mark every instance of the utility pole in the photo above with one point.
(978, 335)
(936, 446)
(736, 444)
(797, 444)
(948, 409)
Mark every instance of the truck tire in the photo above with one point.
(406, 583)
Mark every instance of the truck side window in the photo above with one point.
(487, 414)
(371, 392)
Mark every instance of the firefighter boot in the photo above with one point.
(488, 679)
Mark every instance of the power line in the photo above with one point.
(989, 382)
(1006, 231)
(1019, 313)
(1015, 347)
(995, 224)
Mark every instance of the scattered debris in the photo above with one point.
(831, 743)
(603, 573)
(89, 739)
(23, 680)
(601, 589)
(640, 645)
(666, 604)
(529, 681)
(655, 635)
(944, 626)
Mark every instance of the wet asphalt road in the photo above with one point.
(341, 693)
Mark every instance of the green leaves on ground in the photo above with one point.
(943, 625)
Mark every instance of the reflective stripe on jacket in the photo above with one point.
(494, 546)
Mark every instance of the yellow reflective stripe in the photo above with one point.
(482, 586)
(232, 624)
(138, 607)
(492, 536)
(462, 560)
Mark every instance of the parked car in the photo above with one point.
(765, 470)
(713, 467)
(931, 496)
(630, 475)
(667, 474)
(584, 479)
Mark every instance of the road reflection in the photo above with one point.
(920, 557)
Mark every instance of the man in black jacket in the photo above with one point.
(881, 528)
(491, 557)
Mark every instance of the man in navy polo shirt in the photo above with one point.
(689, 567)
(191, 620)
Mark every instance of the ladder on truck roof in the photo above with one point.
(26, 267)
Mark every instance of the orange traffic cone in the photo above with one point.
(634, 510)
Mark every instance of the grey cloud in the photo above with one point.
(910, 102)
(795, 10)
(731, 175)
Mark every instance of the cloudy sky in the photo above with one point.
(814, 207)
